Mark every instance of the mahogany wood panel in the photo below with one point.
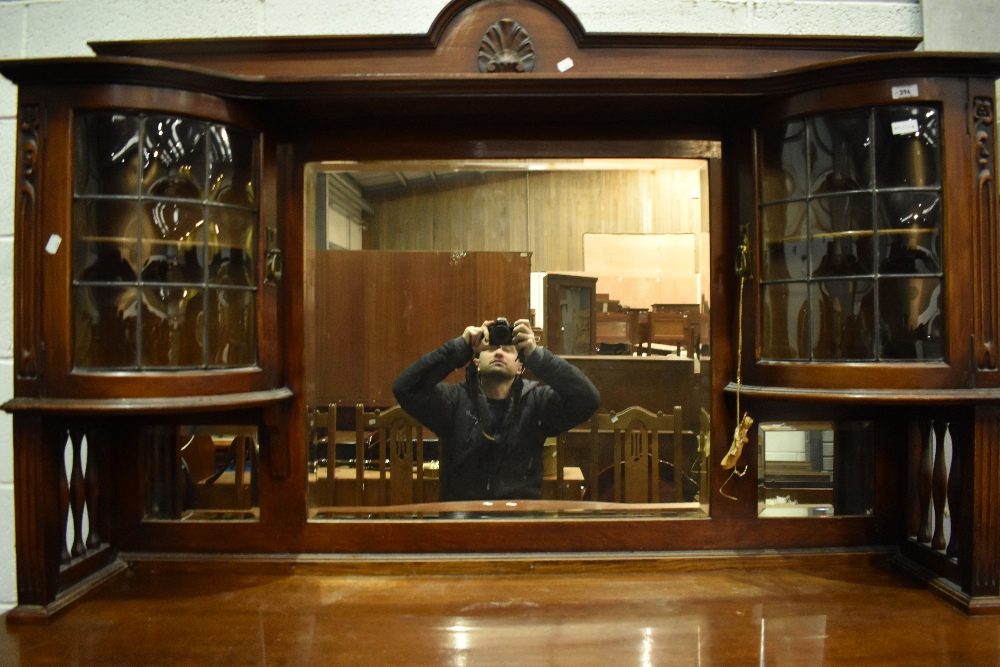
(30, 167)
(655, 383)
(37, 464)
(986, 246)
(981, 576)
(377, 312)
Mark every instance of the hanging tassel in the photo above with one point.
(740, 434)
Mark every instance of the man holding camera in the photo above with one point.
(492, 427)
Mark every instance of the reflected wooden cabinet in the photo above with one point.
(570, 323)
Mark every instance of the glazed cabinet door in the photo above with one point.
(864, 238)
(148, 249)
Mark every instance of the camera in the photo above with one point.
(501, 332)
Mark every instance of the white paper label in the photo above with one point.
(52, 247)
(564, 64)
(908, 126)
(902, 92)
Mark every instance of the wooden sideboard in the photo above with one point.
(92, 432)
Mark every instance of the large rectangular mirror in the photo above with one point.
(607, 259)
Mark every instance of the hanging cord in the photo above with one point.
(743, 426)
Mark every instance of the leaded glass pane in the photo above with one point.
(911, 317)
(907, 147)
(173, 242)
(231, 340)
(104, 326)
(839, 157)
(231, 167)
(165, 206)
(863, 282)
(231, 247)
(785, 242)
(107, 155)
(174, 158)
(785, 321)
(841, 235)
(783, 161)
(105, 241)
(909, 233)
(171, 327)
(843, 319)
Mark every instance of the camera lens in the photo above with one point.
(500, 332)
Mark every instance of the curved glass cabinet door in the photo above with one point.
(850, 218)
(164, 243)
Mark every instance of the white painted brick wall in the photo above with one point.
(45, 28)
(968, 25)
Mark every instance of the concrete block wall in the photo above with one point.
(48, 28)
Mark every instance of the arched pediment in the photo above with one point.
(549, 41)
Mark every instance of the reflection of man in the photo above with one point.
(492, 426)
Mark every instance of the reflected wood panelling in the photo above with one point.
(546, 213)
(377, 312)
(486, 215)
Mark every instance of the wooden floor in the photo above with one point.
(841, 614)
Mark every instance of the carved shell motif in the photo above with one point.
(506, 47)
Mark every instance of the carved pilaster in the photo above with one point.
(39, 527)
(27, 291)
(982, 569)
(506, 47)
(988, 272)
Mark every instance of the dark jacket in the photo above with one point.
(482, 459)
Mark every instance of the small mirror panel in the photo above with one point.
(201, 473)
(815, 469)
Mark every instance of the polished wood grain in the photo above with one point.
(376, 312)
(795, 611)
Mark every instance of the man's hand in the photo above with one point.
(476, 337)
(524, 338)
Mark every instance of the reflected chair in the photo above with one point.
(398, 441)
(236, 453)
(637, 469)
